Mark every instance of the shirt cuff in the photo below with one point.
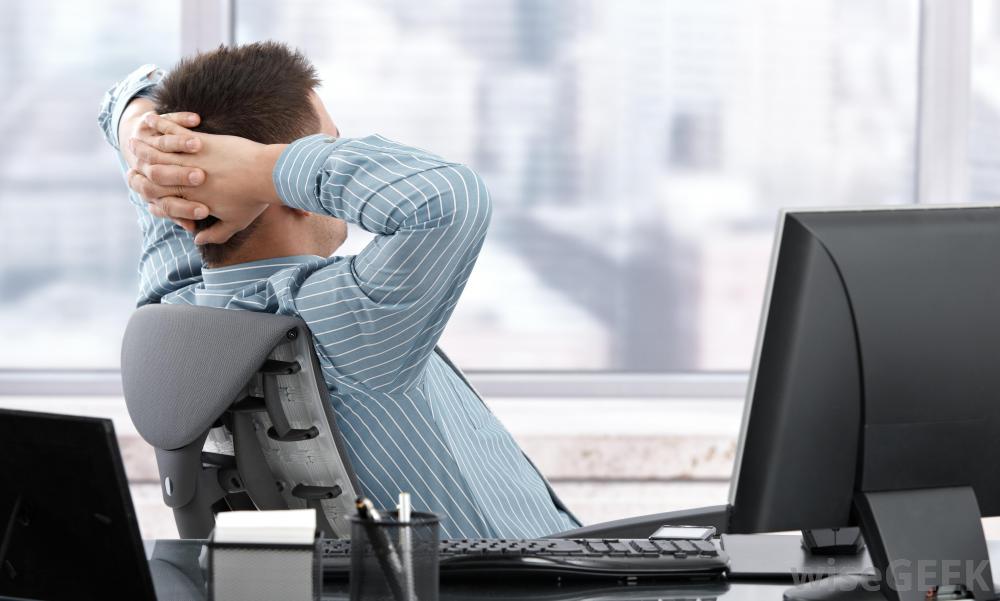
(137, 82)
(296, 174)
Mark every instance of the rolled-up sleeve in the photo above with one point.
(119, 95)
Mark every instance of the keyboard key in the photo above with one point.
(645, 546)
(599, 546)
(706, 548)
(664, 545)
(686, 546)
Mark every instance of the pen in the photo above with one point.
(387, 557)
(403, 511)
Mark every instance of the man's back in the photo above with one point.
(435, 439)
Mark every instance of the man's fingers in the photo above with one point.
(174, 207)
(163, 200)
(146, 153)
(168, 143)
(174, 138)
(142, 186)
(174, 143)
(187, 224)
(184, 118)
(154, 210)
(164, 126)
(172, 175)
(217, 234)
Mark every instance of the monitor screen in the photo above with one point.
(67, 523)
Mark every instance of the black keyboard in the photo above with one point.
(616, 558)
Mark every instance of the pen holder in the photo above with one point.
(264, 571)
(391, 561)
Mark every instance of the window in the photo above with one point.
(637, 152)
(984, 104)
(68, 238)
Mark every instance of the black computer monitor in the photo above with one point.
(67, 525)
(875, 395)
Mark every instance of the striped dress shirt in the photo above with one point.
(410, 422)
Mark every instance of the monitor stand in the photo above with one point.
(925, 542)
(833, 541)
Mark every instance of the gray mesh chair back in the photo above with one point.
(236, 408)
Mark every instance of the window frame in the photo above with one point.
(553, 385)
(944, 88)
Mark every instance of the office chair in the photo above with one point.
(237, 411)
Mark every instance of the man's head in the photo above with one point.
(264, 92)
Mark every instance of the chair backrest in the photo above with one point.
(236, 408)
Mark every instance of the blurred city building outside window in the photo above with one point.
(69, 243)
(637, 152)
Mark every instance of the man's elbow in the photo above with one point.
(473, 207)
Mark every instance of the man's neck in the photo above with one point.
(240, 258)
(266, 243)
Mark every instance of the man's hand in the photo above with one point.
(131, 125)
(237, 184)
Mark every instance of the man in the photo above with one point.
(267, 183)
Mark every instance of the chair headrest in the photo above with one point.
(182, 365)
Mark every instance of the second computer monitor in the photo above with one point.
(877, 368)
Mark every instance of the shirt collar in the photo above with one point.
(246, 273)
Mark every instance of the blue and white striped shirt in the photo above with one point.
(409, 421)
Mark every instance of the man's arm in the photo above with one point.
(378, 321)
(169, 259)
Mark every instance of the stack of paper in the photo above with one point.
(264, 555)
(291, 527)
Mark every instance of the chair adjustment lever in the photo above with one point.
(273, 367)
(248, 404)
(293, 434)
(316, 493)
(281, 429)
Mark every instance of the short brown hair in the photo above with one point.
(258, 91)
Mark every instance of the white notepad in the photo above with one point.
(288, 527)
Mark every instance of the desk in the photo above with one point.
(178, 577)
